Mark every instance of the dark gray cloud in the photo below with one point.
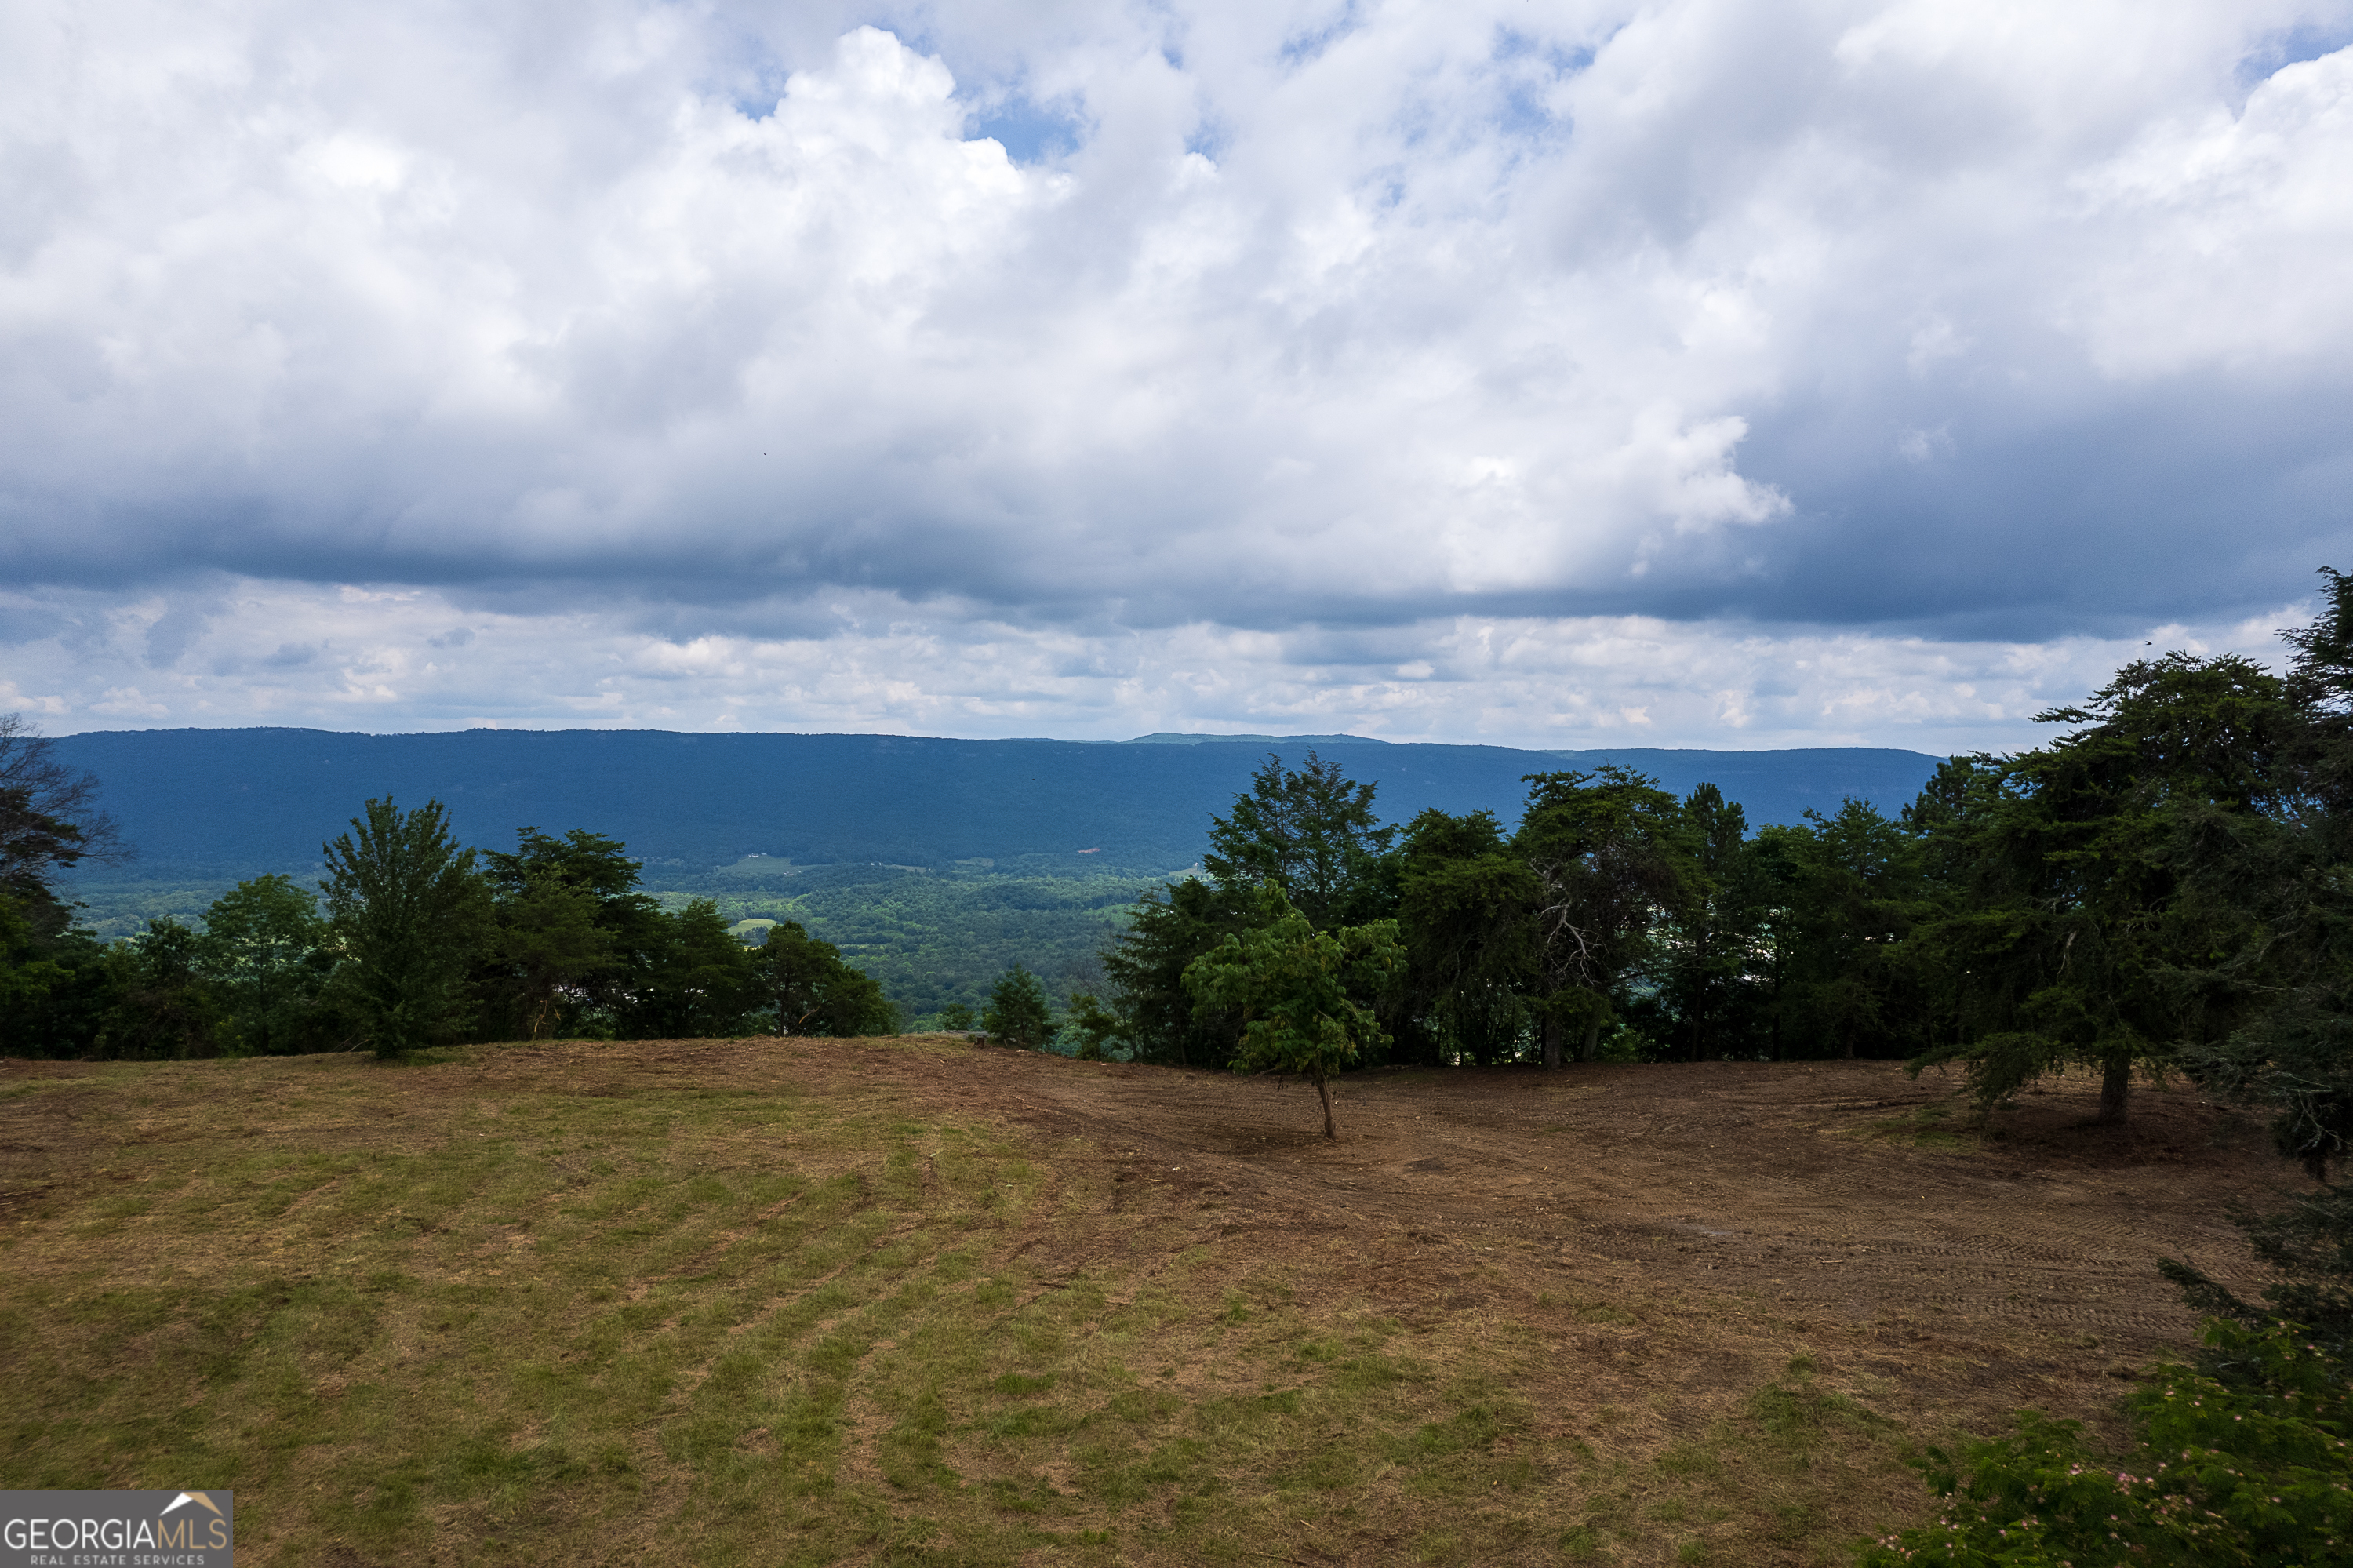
(1317, 331)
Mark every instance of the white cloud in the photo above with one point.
(269, 653)
(1735, 323)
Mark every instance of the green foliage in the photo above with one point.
(2087, 928)
(549, 949)
(410, 912)
(1092, 1027)
(30, 972)
(813, 991)
(268, 954)
(1300, 991)
(2309, 1243)
(49, 821)
(1714, 944)
(693, 980)
(163, 1008)
(2252, 1471)
(1467, 915)
(573, 936)
(1312, 834)
(956, 1015)
(1018, 1014)
(56, 986)
(1606, 851)
(2286, 868)
(1169, 928)
(1848, 893)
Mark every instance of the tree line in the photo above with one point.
(2168, 886)
(415, 942)
(2161, 887)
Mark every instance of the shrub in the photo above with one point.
(2252, 1471)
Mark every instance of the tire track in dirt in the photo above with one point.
(1773, 1183)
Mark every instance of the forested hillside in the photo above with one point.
(235, 802)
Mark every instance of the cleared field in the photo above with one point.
(913, 1301)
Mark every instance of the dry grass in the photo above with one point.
(768, 1302)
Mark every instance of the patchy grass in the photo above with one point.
(597, 1303)
(1932, 1126)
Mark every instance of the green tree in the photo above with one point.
(1714, 941)
(814, 991)
(410, 913)
(1018, 1014)
(1093, 1026)
(1312, 834)
(1606, 850)
(698, 983)
(1144, 967)
(268, 954)
(56, 987)
(1855, 891)
(2088, 930)
(1295, 989)
(2284, 868)
(577, 937)
(49, 822)
(1467, 916)
(163, 1009)
(549, 950)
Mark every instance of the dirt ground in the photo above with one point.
(1779, 1206)
(1671, 1236)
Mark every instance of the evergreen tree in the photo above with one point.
(814, 991)
(549, 951)
(1855, 889)
(2285, 869)
(1467, 918)
(1312, 834)
(576, 938)
(1606, 851)
(161, 1007)
(2090, 927)
(697, 982)
(1092, 1025)
(1713, 938)
(1144, 968)
(409, 911)
(1018, 1014)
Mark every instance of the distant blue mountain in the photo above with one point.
(238, 801)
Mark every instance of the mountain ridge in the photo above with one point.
(238, 801)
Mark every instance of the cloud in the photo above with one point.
(1089, 334)
(383, 661)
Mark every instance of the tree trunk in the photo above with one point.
(1592, 1036)
(2115, 1093)
(1551, 1031)
(1324, 1088)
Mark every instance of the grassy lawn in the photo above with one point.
(559, 1305)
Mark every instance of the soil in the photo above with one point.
(1744, 1212)
(1670, 1236)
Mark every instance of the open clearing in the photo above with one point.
(913, 1301)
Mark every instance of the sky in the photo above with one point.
(1552, 373)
